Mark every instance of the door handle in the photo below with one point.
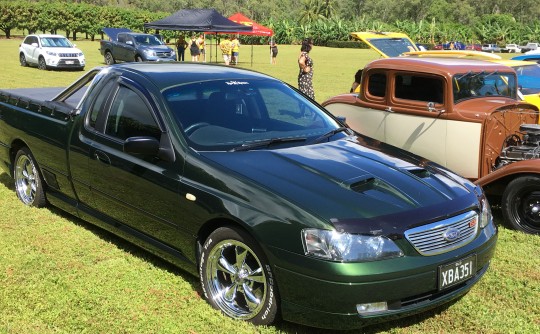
(101, 156)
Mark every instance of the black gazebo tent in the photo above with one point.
(198, 20)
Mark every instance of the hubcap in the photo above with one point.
(25, 179)
(236, 279)
(531, 209)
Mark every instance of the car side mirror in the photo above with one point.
(129, 42)
(142, 145)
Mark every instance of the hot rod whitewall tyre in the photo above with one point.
(521, 204)
(28, 181)
(236, 277)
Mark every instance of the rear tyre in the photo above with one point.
(42, 64)
(28, 181)
(22, 60)
(236, 277)
(109, 59)
(521, 204)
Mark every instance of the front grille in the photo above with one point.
(68, 55)
(444, 236)
(163, 54)
(69, 62)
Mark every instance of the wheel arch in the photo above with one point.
(213, 224)
(16, 145)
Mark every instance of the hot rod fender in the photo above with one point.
(496, 181)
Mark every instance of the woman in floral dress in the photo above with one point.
(305, 76)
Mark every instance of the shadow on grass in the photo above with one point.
(118, 241)
(389, 326)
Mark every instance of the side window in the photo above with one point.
(99, 104)
(121, 38)
(377, 84)
(129, 116)
(419, 88)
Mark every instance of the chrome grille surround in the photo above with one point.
(445, 235)
(68, 55)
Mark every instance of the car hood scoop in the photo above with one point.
(344, 180)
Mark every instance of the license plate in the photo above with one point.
(70, 62)
(457, 272)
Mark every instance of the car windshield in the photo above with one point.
(528, 78)
(392, 47)
(480, 84)
(239, 115)
(56, 42)
(148, 40)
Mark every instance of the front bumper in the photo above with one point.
(326, 295)
(66, 62)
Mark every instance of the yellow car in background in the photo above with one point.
(393, 44)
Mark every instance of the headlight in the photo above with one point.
(345, 247)
(173, 53)
(51, 53)
(150, 53)
(485, 214)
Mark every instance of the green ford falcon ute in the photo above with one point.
(238, 178)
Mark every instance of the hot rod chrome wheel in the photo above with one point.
(521, 204)
(236, 279)
(28, 183)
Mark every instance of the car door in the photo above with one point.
(31, 49)
(126, 47)
(140, 191)
(420, 124)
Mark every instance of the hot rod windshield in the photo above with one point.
(241, 114)
(480, 84)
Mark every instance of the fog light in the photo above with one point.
(369, 308)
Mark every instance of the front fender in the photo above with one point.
(511, 171)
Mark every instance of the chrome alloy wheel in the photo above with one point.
(236, 279)
(26, 179)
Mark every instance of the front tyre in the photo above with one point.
(22, 60)
(521, 204)
(28, 181)
(236, 277)
(42, 64)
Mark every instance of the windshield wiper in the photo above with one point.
(330, 134)
(266, 143)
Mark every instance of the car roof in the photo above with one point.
(441, 66)
(48, 35)
(165, 75)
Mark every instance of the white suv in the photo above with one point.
(50, 51)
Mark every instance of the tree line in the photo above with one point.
(425, 21)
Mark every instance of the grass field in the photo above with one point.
(61, 275)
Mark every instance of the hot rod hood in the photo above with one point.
(346, 182)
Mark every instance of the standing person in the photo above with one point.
(181, 46)
(305, 63)
(355, 87)
(194, 49)
(202, 52)
(274, 51)
(235, 45)
(226, 49)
